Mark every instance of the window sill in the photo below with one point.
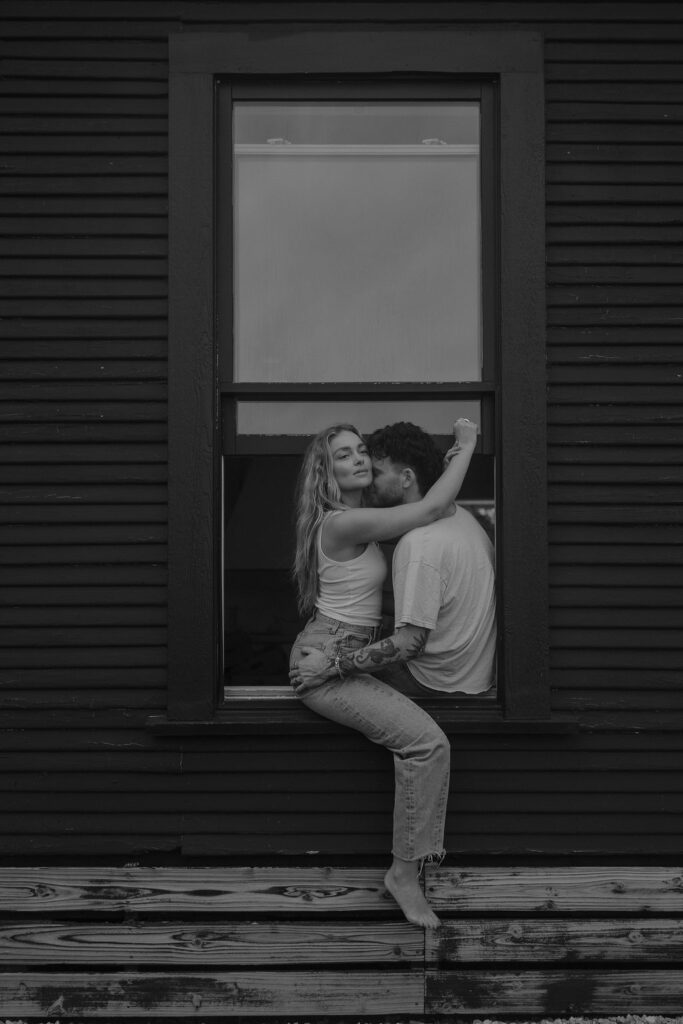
(278, 715)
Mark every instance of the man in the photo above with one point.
(444, 635)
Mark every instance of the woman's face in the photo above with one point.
(351, 462)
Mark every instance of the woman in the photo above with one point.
(339, 570)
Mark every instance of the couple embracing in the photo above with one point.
(354, 493)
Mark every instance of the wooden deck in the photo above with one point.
(210, 942)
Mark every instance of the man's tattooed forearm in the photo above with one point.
(379, 654)
(386, 652)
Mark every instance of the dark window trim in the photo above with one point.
(514, 61)
(243, 717)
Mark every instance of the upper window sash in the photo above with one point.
(460, 110)
(413, 102)
(513, 62)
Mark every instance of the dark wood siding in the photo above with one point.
(83, 212)
(615, 268)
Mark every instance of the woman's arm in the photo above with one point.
(361, 525)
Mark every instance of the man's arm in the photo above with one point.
(315, 668)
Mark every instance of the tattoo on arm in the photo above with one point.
(417, 644)
(345, 665)
(386, 652)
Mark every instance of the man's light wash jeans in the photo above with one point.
(387, 716)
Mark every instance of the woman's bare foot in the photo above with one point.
(403, 884)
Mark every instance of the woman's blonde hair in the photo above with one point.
(317, 494)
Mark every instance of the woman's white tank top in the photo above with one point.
(351, 591)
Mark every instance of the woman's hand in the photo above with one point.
(465, 436)
(465, 432)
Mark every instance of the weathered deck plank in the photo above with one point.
(557, 890)
(531, 941)
(201, 944)
(170, 994)
(210, 891)
(553, 992)
(329, 890)
(316, 941)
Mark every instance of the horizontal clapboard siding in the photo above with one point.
(615, 265)
(96, 781)
(83, 433)
(83, 218)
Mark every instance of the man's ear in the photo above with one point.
(408, 478)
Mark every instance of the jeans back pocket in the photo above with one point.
(350, 642)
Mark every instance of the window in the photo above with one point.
(266, 135)
(354, 262)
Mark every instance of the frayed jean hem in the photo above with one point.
(436, 859)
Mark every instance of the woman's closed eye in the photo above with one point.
(347, 454)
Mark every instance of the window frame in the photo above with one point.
(513, 61)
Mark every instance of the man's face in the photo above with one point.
(386, 490)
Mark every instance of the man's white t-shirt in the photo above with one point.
(444, 579)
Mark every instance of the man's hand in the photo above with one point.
(311, 671)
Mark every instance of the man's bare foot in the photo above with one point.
(403, 884)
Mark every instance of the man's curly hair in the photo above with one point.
(408, 445)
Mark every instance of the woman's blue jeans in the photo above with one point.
(378, 709)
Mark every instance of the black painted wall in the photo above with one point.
(83, 236)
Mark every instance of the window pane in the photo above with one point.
(307, 418)
(260, 614)
(357, 242)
